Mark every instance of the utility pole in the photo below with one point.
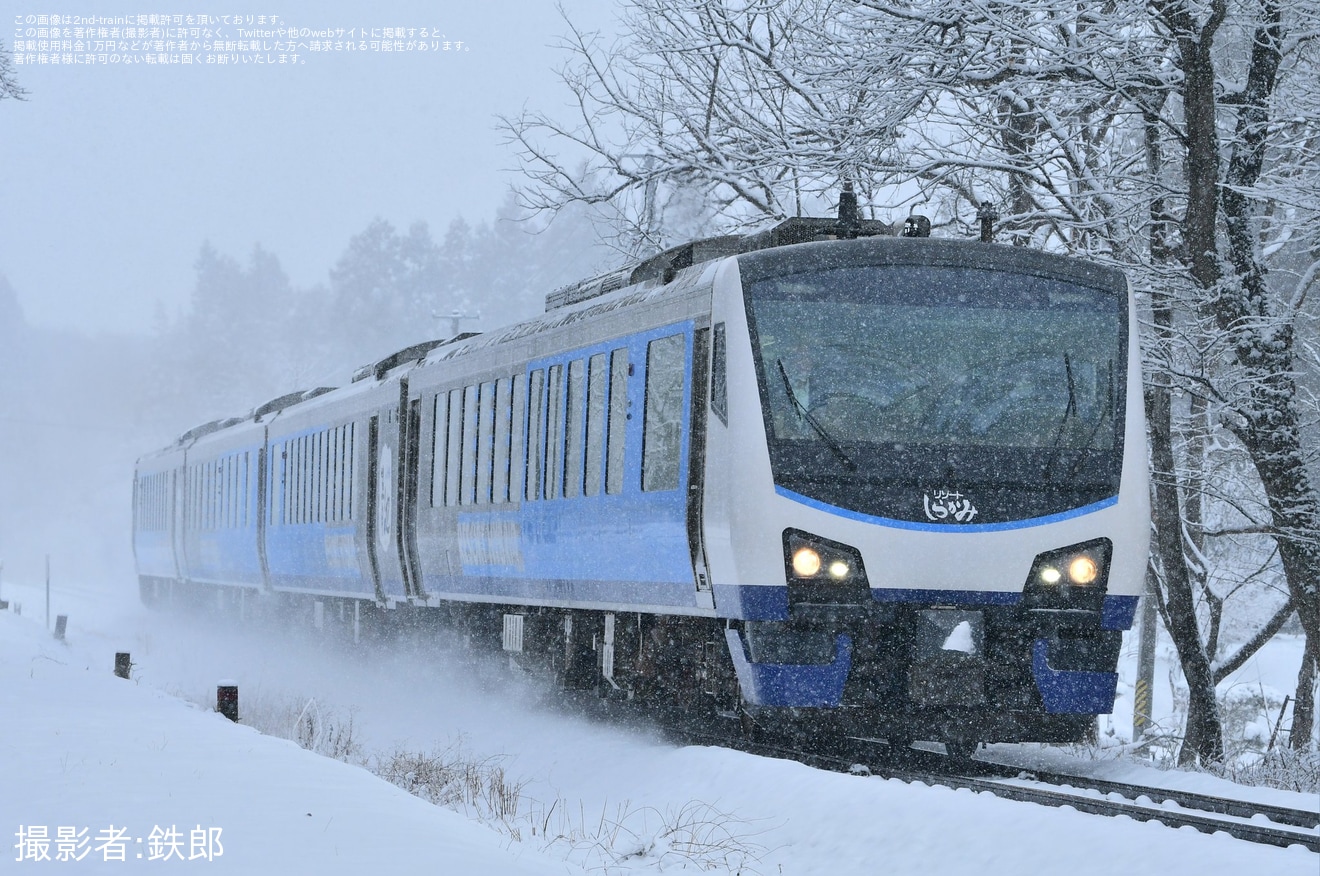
(1144, 698)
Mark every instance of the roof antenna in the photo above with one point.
(849, 226)
(988, 216)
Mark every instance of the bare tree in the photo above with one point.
(9, 86)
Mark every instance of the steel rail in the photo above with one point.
(870, 759)
(1187, 799)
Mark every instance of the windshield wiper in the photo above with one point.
(805, 414)
(1069, 409)
(1099, 421)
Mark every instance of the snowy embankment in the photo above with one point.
(132, 772)
(86, 750)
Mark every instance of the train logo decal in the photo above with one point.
(948, 505)
(385, 499)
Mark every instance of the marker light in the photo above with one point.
(1050, 575)
(1083, 570)
(806, 562)
(839, 569)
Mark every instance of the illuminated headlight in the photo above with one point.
(814, 559)
(1083, 570)
(806, 562)
(1071, 577)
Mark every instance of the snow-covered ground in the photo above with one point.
(81, 749)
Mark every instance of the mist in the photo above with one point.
(182, 242)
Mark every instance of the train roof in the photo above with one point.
(652, 276)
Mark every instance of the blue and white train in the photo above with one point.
(819, 477)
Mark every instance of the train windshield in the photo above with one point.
(993, 393)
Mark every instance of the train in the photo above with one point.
(829, 478)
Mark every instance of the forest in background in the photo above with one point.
(79, 410)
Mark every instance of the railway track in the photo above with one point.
(1252, 822)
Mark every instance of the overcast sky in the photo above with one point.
(114, 174)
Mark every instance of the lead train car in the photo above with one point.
(882, 485)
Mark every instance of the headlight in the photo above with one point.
(1083, 570)
(813, 559)
(806, 562)
(1071, 577)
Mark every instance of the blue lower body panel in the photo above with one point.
(1086, 693)
(782, 684)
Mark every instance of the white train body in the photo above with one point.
(886, 485)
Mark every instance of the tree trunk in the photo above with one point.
(1304, 703)
(1204, 736)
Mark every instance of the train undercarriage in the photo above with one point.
(955, 675)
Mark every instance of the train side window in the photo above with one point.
(236, 495)
(439, 448)
(236, 484)
(292, 486)
(304, 489)
(295, 488)
(454, 451)
(663, 419)
(469, 463)
(595, 423)
(535, 433)
(719, 378)
(554, 431)
(503, 422)
(309, 480)
(314, 516)
(323, 477)
(279, 461)
(618, 421)
(485, 441)
(573, 450)
(335, 469)
(348, 473)
(327, 475)
(517, 437)
(341, 488)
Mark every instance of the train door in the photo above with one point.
(410, 452)
(373, 492)
(701, 372)
(263, 510)
(385, 495)
(179, 520)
